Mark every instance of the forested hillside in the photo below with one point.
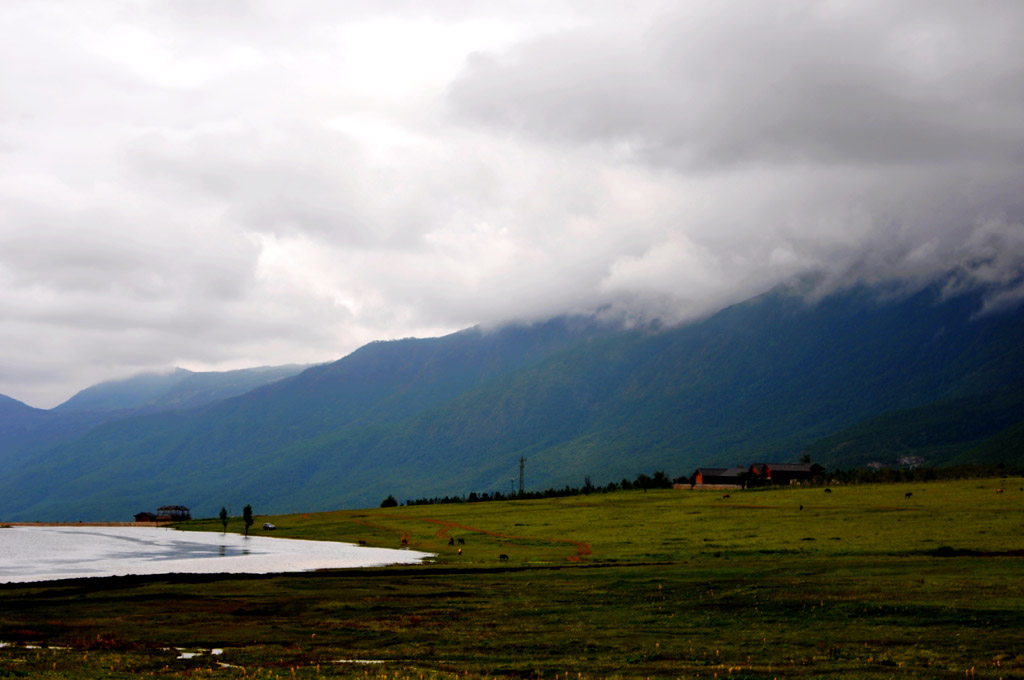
(854, 378)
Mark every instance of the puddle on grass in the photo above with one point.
(216, 651)
(15, 645)
(183, 654)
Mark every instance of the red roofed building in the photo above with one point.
(784, 473)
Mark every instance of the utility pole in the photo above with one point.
(522, 467)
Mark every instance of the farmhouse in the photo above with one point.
(173, 513)
(723, 477)
(168, 513)
(758, 474)
(784, 473)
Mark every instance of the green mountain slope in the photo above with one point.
(26, 432)
(945, 433)
(760, 380)
(245, 442)
(1003, 447)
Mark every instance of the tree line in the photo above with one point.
(923, 474)
(246, 517)
(659, 480)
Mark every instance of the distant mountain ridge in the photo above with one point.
(26, 431)
(764, 380)
(177, 388)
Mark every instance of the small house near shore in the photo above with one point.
(173, 513)
(168, 513)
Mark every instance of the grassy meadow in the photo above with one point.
(861, 582)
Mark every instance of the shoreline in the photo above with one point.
(35, 553)
(85, 524)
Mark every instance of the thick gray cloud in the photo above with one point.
(217, 185)
(727, 83)
(868, 139)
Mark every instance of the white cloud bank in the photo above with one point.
(218, 185)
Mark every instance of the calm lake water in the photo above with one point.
(48, 553)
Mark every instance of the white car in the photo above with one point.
(268, 526)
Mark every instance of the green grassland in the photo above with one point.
(861, 582)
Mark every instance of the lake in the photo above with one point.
(46, 553)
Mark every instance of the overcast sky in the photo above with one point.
(218, 184)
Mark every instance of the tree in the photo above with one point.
(224, 518)
(247, 518)
(389, 502)
(660, 480)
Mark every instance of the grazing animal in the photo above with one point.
(999, 490)
(828, 490)
(725, 496)
(405, 539)
(461, 541)
(908, 494)
(503, 557)
(362, 542)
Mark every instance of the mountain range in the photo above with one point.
(25, 430)
(864, 375)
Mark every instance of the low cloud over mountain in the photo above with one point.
(250, 184)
